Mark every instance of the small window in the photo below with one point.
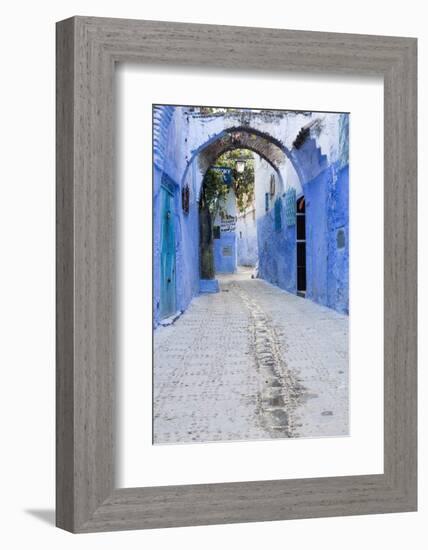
(216, 232)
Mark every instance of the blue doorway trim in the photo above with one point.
(167, 256)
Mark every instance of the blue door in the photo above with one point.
(167, 271)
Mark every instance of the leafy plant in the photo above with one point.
(215, 191)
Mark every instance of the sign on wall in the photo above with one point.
(228, 225)
(226, 172)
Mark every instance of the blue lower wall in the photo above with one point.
(186, 249)
(277, 252)
(327, 242)
(316, 193)
(222, 263)
(338, 289)
(327, 238)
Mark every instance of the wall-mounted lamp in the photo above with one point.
(240, 165)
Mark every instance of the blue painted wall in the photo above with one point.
(316, 192)
(327, 242)
(186, 228)
(338, 254)
(327, 238)
(222, 263)
(187, 236)
(277, 251)
(157, 176)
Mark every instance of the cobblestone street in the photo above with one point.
(251, 362)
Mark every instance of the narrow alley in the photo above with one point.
(251, 362)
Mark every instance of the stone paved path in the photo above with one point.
(251, 362)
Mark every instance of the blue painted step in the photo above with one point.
(208, 286)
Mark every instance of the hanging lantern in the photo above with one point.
(240, 165)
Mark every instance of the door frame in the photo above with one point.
(168, 186)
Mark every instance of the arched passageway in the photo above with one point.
(219, 238)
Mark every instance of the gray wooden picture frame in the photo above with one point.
(87, 50)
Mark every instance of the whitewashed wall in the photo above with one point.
(246, 237)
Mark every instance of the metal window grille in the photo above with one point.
(278, 214)
(290, 206)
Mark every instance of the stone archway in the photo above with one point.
(242, 138)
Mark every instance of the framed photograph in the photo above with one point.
(236, 274)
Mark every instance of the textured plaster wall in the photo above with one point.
(327, 224)
(187, 252)
(277, 253)
(327, 238)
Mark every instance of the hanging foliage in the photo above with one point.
(242, 183)
(214, 192)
